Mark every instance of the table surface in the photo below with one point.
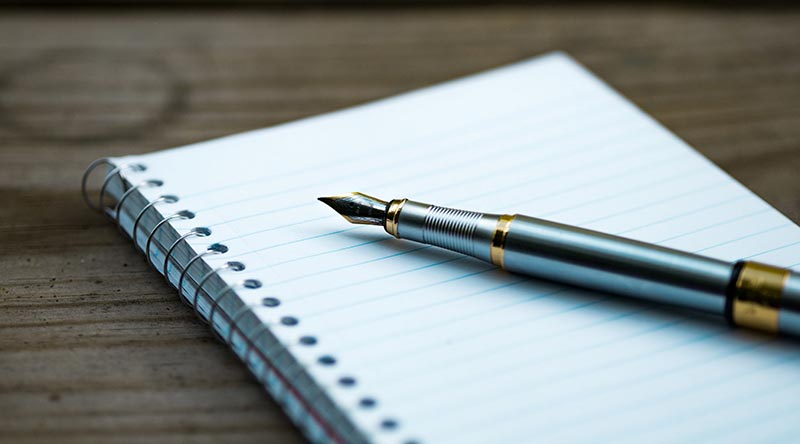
(95, 347)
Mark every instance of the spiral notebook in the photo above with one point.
(365, 338)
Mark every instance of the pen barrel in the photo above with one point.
(746, 293)
(616, 265)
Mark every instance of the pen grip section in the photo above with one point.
(465, 232)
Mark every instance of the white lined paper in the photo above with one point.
(453, 349)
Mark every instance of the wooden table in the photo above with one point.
(95, 347)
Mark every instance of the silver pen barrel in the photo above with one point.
(748, 294)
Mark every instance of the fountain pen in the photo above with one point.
(747, 294)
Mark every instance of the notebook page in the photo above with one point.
(452, 349)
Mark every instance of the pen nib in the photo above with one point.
(358, 208)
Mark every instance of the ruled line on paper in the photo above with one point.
(533, 297)
(637, 167)
(555, 158)
(505, 118)
(357, 264)
(634, 168)
(781, 247)
(417, 145)
(706, 227)
(659, 202)
(767, 230)
(761, 418)
(407, 172)
(690, 388)
(425, 266)
(522, 364)
(681, 174)
(557, 427)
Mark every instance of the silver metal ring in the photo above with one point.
(235, 266)
(247, 283)
(86, 174)
(196, 231)
(282, 397)
(212, 249)
(286, 375)
(265, 356)
(291, 373)
(261, 329)
(235, 322)
(241, 311)
(166, 198)
(183, 214)
(118, 207)
(110, 175)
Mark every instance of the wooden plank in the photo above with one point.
(94, 346)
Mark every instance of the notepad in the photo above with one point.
(365, 338)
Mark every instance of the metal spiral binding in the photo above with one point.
(234, 321)
(231, 265)
(115, 172)
(261, 329)
(196, 231)
(310, 421)
(215, 301)
(212, 249)
(183, 214)
(165, 198)
(274, 354)
(251, 284)
(117, 211)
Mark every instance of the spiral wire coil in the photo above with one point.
(284, 392)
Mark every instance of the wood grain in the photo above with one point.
(94, 347)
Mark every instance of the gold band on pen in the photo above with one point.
(498, 248)
(757, 299)
(393, 216)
